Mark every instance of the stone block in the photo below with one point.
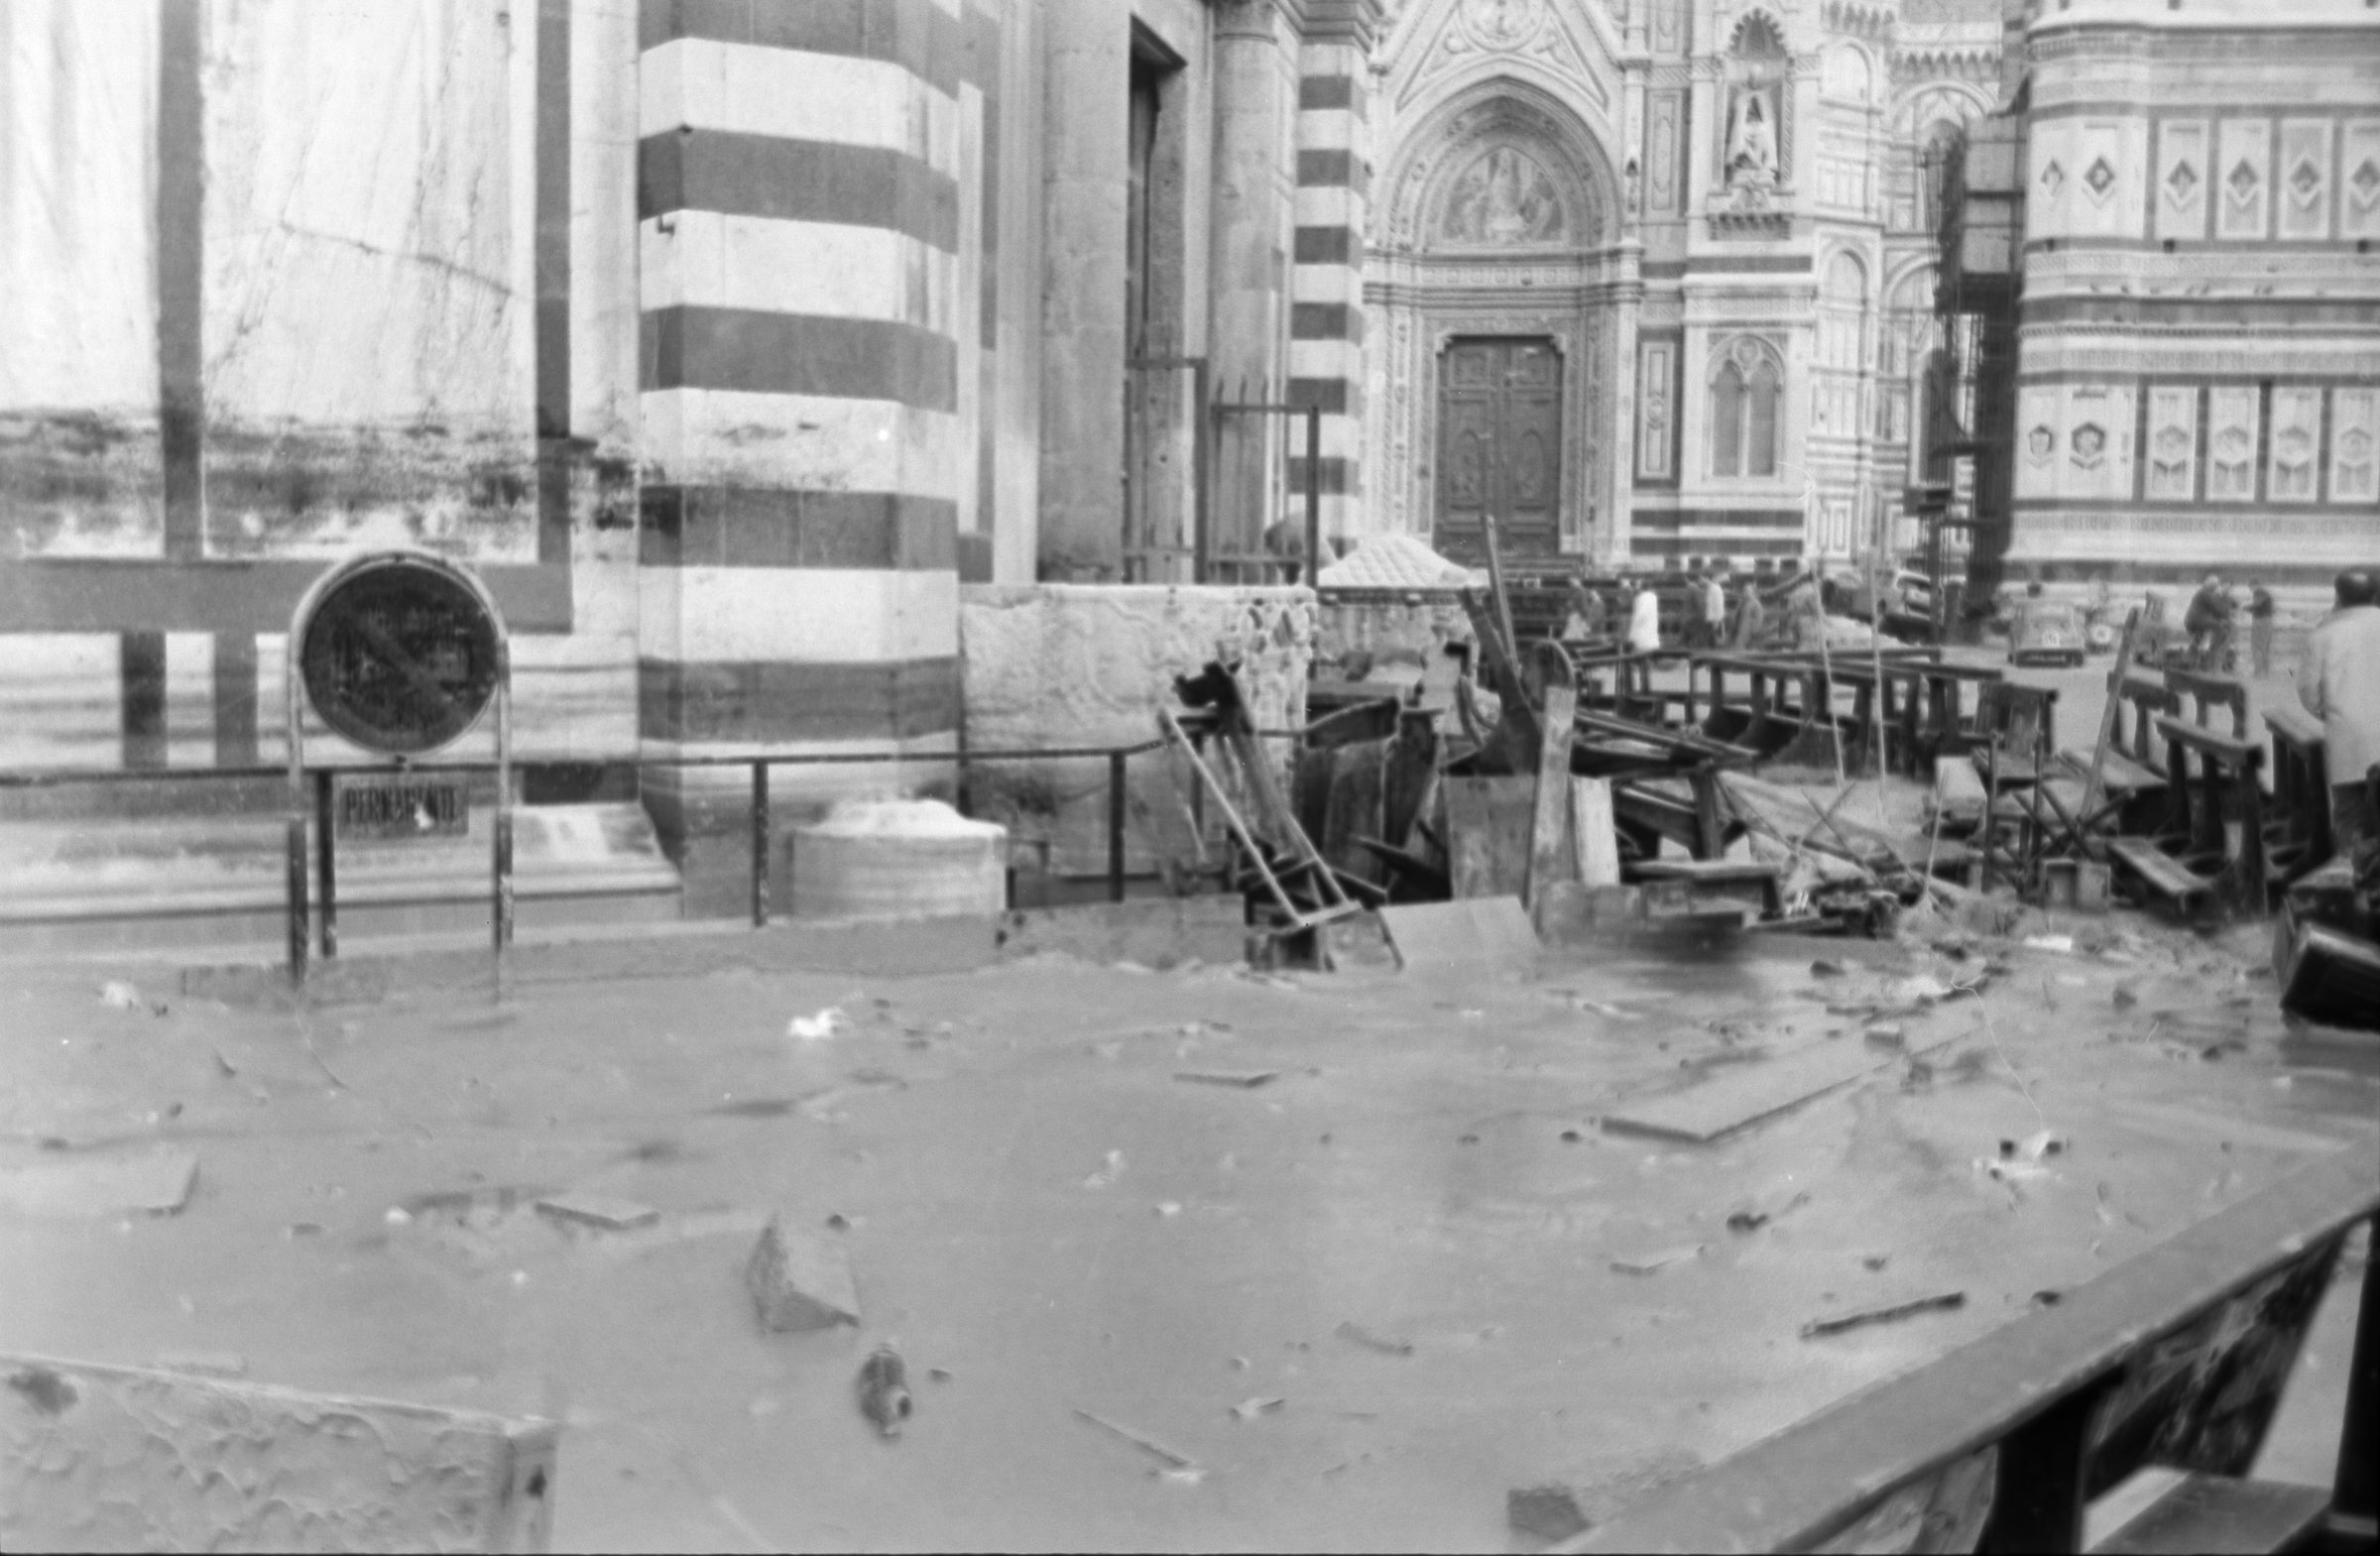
(1087, 665)
(799, 1282)
(114, 1458)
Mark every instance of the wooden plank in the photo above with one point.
(1796, 1488)
(1552, 857)
(155, 1182)
(1593, 826)
(1747, 1094)
(2220, 1517)
(117, 1458)
(1491, 934)
(1488, 823)
(2107, 714)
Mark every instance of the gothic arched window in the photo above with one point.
(1743, 412)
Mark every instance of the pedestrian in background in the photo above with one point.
(1644, 620)
(1715, 610)
(2260, 629)
(1751, 617)
(2339, 683)
(1588, 619)
(2209, 622)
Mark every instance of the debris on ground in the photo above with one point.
(1655, 1263)
(811, 1029)
(1109, 1171)
(599, 1211)
(1179, 1467)
(1257, 1404)
(1355, 1334)
(154, 1182)
(1246, 1080)
(798, 1282)
(1544, 1512)
(1818, 1328)
(883, 1391)
(2033, 1146)
(118, 994)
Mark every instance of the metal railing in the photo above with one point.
(321, 781)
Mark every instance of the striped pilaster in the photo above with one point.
(1326, 278)
(810, 200)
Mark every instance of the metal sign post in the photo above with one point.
(400, 652)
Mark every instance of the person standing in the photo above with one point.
(2209, 622)
(1715, 610)
(2339, 683)
(1644, 620)
(1807, 613)
(2260, 629)
(1751, 617)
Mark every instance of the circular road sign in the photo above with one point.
(400, 653)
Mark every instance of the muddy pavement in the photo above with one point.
(1350, 1254)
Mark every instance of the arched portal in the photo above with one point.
(1490, 285)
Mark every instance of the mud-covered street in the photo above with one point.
(1355, 1250)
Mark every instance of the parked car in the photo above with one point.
(2044, 630)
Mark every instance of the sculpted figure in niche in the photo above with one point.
(1504, 199)
(1752, 141)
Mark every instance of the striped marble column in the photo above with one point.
(1326, 322)
(800, 211)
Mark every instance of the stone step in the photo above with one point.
(220, 880)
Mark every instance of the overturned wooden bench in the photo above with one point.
(2298, 831)
(2175, 1359)
(2210, 855)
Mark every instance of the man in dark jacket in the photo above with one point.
(2209, 622)
(2260, 629)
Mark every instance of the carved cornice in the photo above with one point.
(1356, 22)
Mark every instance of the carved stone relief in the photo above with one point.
(1504, 198)
(1465, 32)
(2182, 178)
(2305, 179)
(2360, 174)
(2354, 446)
(1752, 159)
(2244, 176)
(2296, 434)
(2232, 445)
(1554, 186)
(1501, 24)
(1655, 440)
(1662, 195)
(2173, 443)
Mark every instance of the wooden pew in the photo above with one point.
(2132, 774)
(2298, 832)
(1762, 717)
(2175, 1358)
(2204, 695)
(1944, 721)
(2015, 729)
(2211, 853)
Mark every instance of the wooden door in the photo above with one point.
(1499, 447)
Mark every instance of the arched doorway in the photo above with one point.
(1492, 289)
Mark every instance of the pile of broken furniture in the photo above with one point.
(1555, 773)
